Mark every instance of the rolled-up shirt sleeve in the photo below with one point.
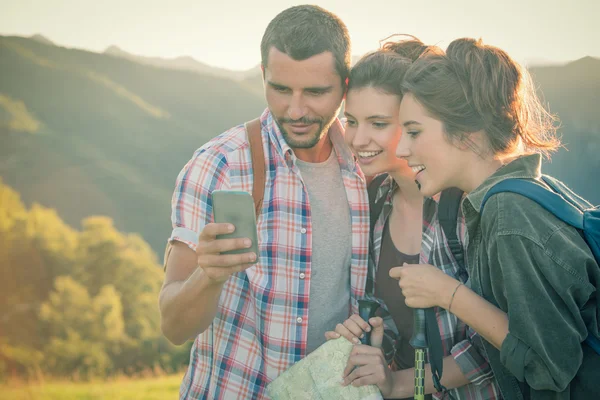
(468, 354)
(191, 204)
(543, 297)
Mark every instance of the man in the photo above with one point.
(252, 318)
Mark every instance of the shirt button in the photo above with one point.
(302, 275)
(303, 230)
(299, 319)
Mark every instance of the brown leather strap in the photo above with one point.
(258, 162)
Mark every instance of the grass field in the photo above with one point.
(166, 387)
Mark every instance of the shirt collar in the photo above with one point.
(336, 133)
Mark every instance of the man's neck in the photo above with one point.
(318, 153)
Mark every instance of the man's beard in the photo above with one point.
(308, 142)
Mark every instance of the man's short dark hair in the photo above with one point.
(305, 31)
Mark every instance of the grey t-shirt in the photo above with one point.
(331, 248)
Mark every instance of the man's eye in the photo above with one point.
(380, 125)
(412, 133)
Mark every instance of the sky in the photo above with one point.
(227, 34)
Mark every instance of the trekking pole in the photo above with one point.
(419, 343)
(367, 310)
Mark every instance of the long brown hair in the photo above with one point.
(384, 69)
(476, 87)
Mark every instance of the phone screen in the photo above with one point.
(236, 208)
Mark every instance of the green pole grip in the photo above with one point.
(419, 374)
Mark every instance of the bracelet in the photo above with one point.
(453, 293)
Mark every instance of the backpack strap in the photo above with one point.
(435, 348)
(566, 192)
(253, 130)
(548, 200)
(375, 208)
(448, 209)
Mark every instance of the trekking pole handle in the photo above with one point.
(367, 310)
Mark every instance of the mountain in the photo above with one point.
(90, 134)
(96, 134)
(572, 92)
(42, 39)
(184, 63)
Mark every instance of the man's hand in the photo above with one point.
(218, 267)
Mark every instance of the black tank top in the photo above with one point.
(387, 289)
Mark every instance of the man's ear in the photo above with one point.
(262, 69)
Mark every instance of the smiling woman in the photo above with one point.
(372, 129)
(473, 120)
(431, 156)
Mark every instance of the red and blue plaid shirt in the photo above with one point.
(260, 328)
(458, 340)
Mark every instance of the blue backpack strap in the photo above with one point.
(593, 342)
(566, 193)
(552, 202)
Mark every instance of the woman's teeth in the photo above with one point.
(418, 168)
(368, 154)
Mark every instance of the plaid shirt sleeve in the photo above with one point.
(192, 200)
(468, 354)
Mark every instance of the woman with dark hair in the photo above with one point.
(471, 119)
(406, 230)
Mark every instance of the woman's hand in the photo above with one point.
(424, 285)
(366, 366)
(354, 328)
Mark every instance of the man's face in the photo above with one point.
(303, 96)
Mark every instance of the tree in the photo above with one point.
(85, 332)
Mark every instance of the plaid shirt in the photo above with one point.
(458, 339)
(260, 328)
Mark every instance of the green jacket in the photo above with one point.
(538, 270)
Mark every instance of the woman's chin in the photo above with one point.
(425, 189)
(371, 170)
(429, 190)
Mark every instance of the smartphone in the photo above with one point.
(236, 208)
